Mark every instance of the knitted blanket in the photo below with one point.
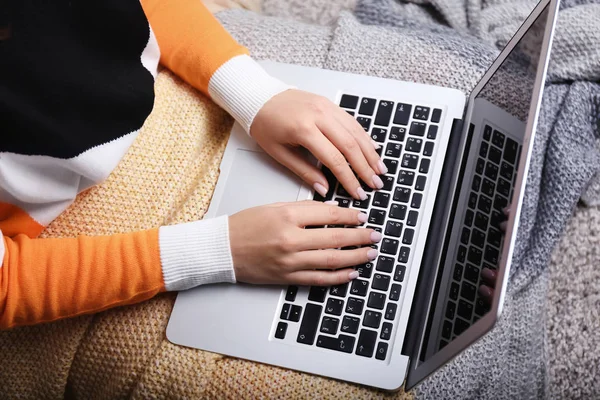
(169, 174)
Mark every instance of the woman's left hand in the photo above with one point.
(294, 119)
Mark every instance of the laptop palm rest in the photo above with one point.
(256, 179)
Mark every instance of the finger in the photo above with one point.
(298, 165)
(323, 278)
(486, 292)
(328, 214)
(332, 259)
(328, 154)
(333, 238)
(367, 145)
(489, 276)
(350, 148)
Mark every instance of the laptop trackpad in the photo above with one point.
(256, 179)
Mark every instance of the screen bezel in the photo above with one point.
(417, 372)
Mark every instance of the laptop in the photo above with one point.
(454, 163)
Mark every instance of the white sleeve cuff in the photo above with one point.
(241, 86)
(196, 253)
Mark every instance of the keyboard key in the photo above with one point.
(402, 114)
(469, 216)
(364, 204)
(420, 185)
(416, 200)
(397, 133)
(389, 246)
(494, 237)
(421, 113)
(406, 178)
(475, 255)
(432, 132)
(480, 166)
(281, 330)
(506, 171)
(390, 311)
(460, 326)
(447, 330)
(377, 217)
(395, 292)
(462, 254)
(359, 287)
(465, 310)
(388, 183)
(393, 150)
(495, 155)
(350, 112)
(392, 165)
(343, 343)
(364, 270)
(399, 274)
(384, 113)
(476, 184)
(465, 236)
(393, 229)
(381, 351)
(481, 307)
(491, 255)
(491, 171)
(414, 144)
(471, 274)
(342, 192)
(397, 211)
(386, 331)
(402, 194)
(290, 295)
(487, 132)
(372, 319)
(339, 290)
(488, 187)
(309, 325)
(484, 204)
(458, 271)
(381, 199)
(498, 139)
(291, 312)
(381, 282)
(334, 306)
(408, 236)
(413, 216)
(436, 116)
(350, 324)
(500, 203)
(317, 293)
(483, 149)
(454, 289)
(424, 168)
(404, 254)
(385, 264)
(511, 150)
(366, 343)
(376, 300)
(478, 238)
(349, 101)
(410, 161)
(472, 200)
(450, 309)
(330, 325)
(504, 187)
(367, 106)
(417, 128)
(345, 203)
(378, 134)
(468, 291)
(481, 221)
(355, 306)
(428, 150)
(365, 123)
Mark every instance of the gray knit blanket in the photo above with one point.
(451, 43)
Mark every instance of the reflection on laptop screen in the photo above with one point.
(498, 122)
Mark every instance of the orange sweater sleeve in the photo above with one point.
(192, 42)
(43, 280)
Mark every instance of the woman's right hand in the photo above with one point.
(269, 244)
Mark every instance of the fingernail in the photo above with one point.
(503, 226)
(362, 218)
(377, 182)
(372, 254)
(375, 236)
(382, 168)
(353, 275)
(332, 203)
(485, 291)
(322, 190)
(375, 144)
(488, 274)
(361, 193)
(506, 210)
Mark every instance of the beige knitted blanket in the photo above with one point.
(167, 177)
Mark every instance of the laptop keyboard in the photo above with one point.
(480, 237)
(359, 317)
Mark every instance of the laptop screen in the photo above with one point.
(478, 235)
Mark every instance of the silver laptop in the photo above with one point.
(455, 162)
